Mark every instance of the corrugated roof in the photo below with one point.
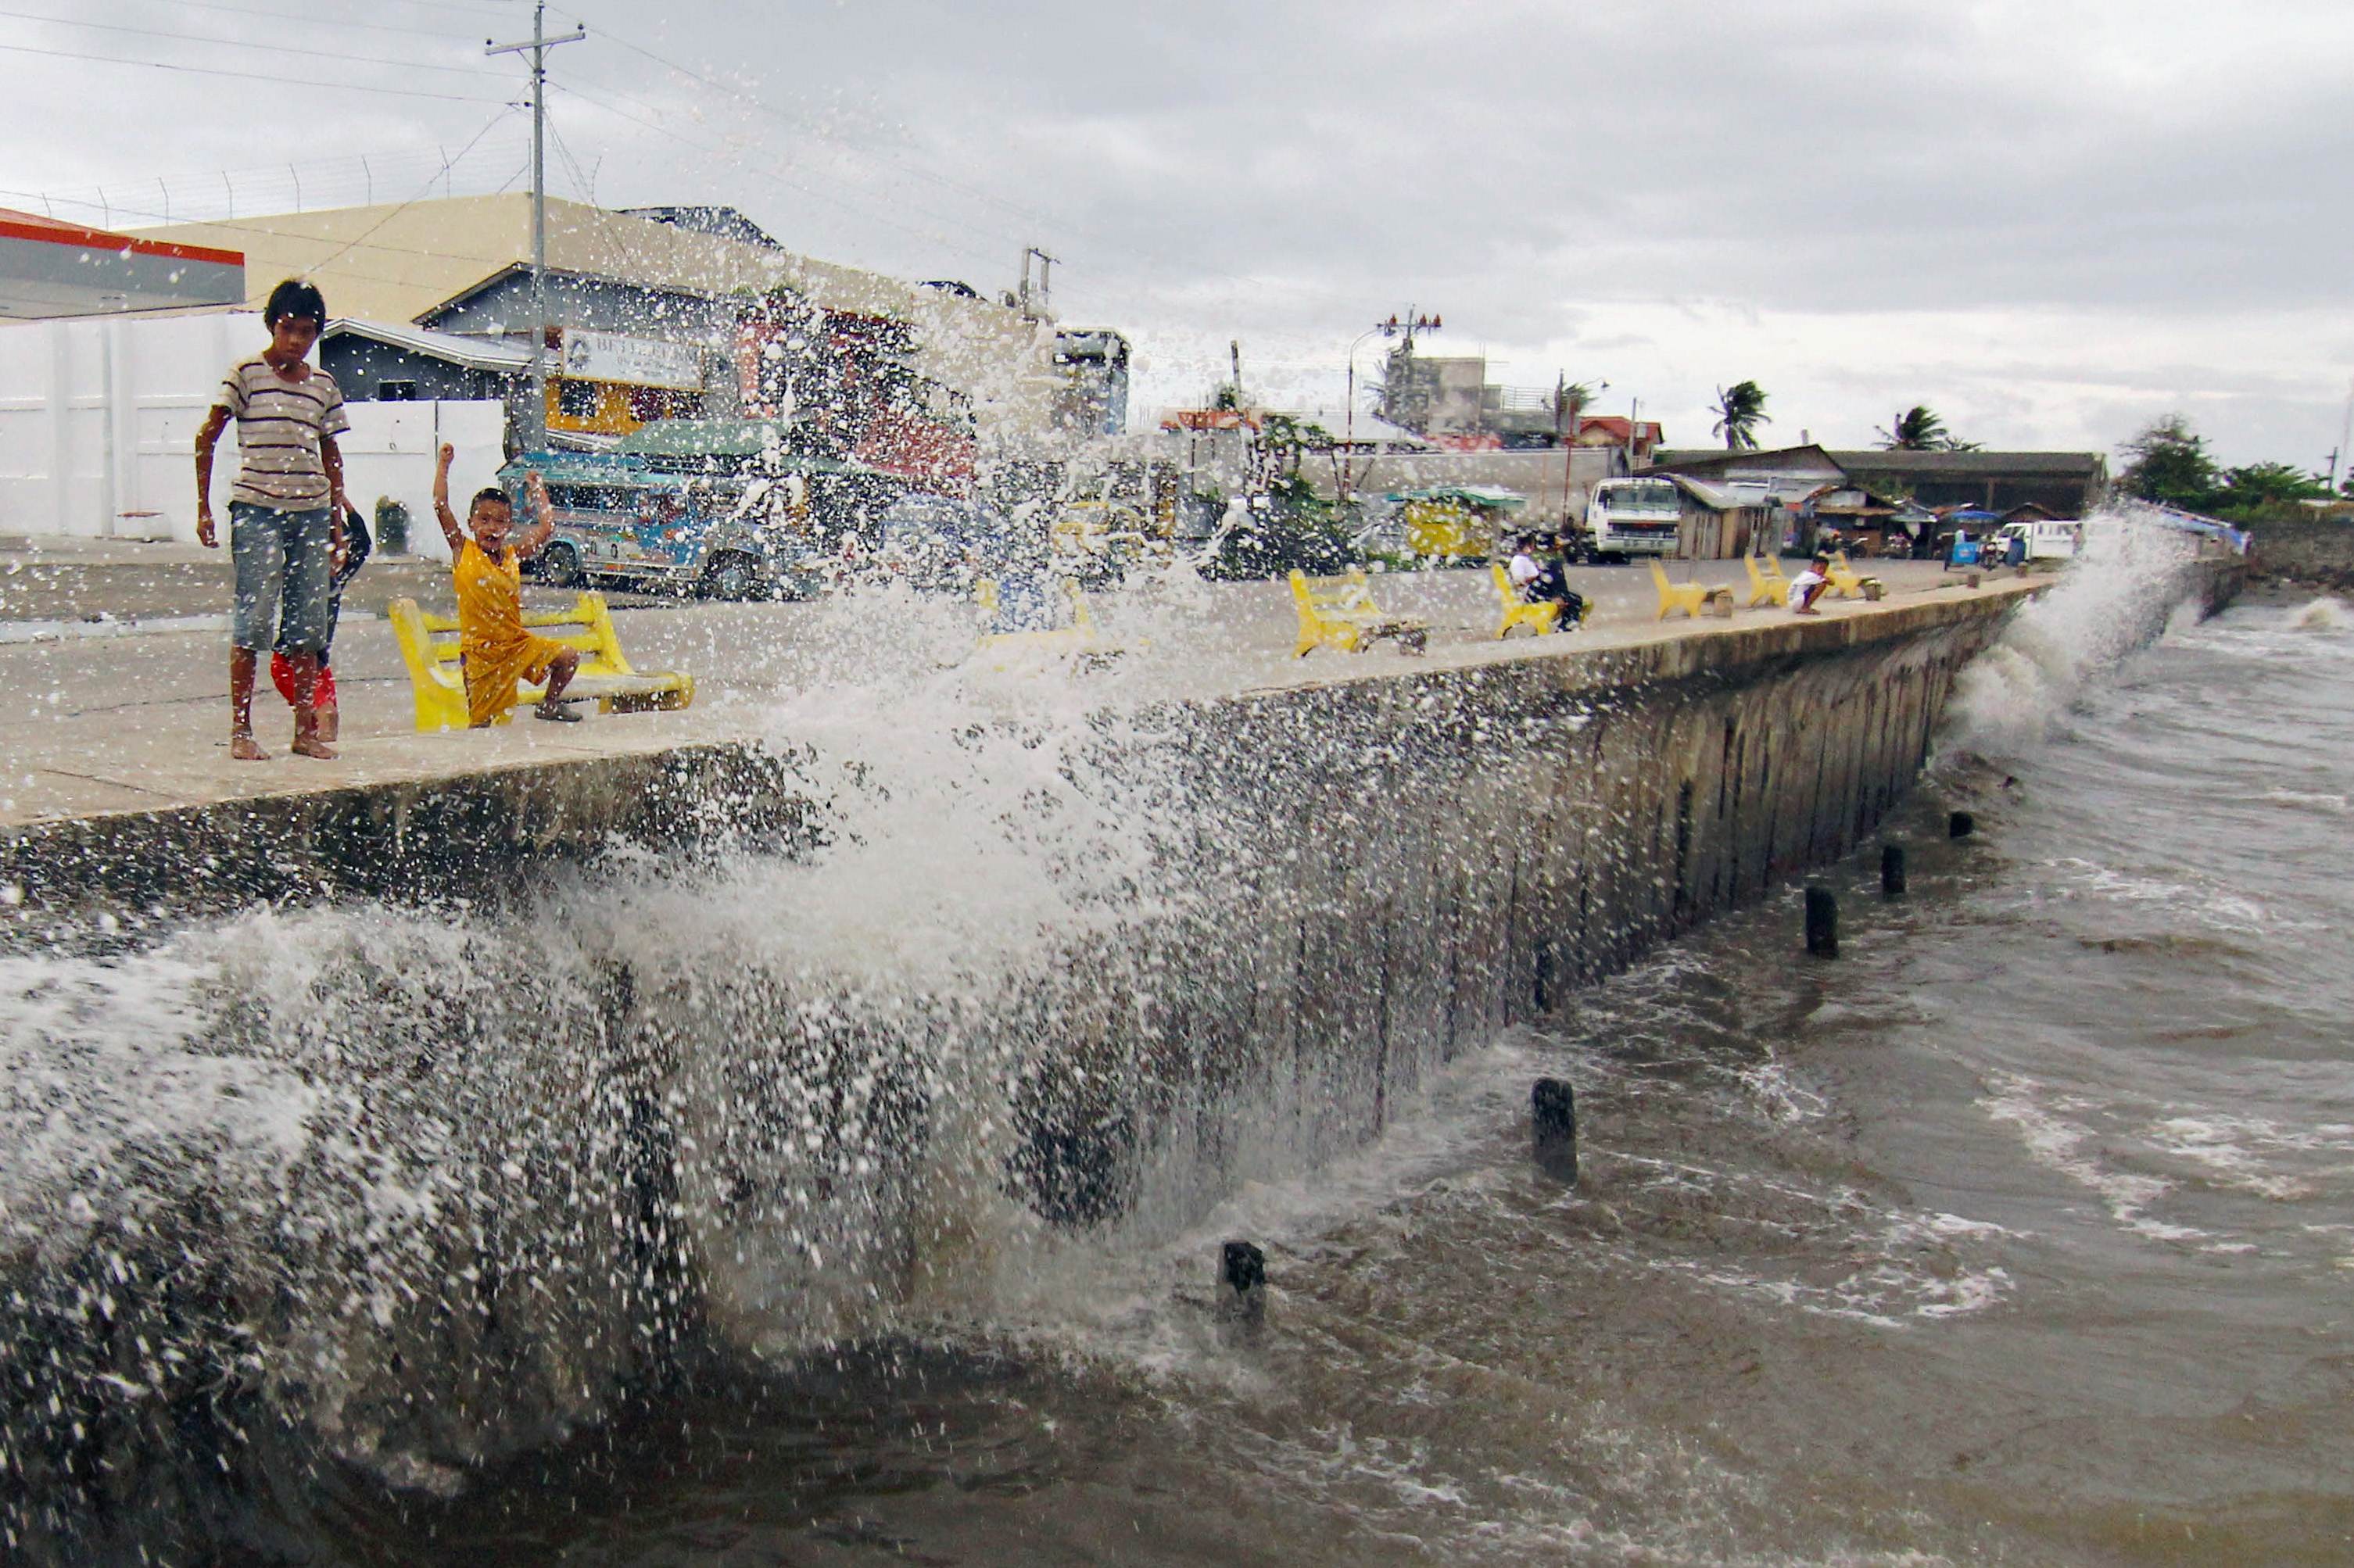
(397, 262)
(490, 354)
(1971, 465)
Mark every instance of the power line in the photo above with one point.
(311, 21)
(477, 9)
(799, 123)
(198, 196)
(275, 48)
(447, 164)
(280, 79)
(659, 129)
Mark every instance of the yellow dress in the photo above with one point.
(493, 648)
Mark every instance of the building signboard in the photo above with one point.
(631, 361)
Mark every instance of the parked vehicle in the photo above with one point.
(1097, 541)
(2057, 539)
(617, 521)
(942, 545)
(1457, 522)
(1627, 517)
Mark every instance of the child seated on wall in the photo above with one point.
(494, 650)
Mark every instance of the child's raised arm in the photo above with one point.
(542, 518)
(449, 519)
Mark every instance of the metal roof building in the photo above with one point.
(49, 270)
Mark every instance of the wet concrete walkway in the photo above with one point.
(128, 718)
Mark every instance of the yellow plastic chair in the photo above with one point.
(1340, 612)
(1540, 618)
(1767, 584)
(1846, 582)
(1078, 636)
(429, 646)
(1687, 598)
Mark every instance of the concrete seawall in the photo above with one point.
(386, 1218)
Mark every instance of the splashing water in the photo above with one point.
(2130, 583)
(2323, 614)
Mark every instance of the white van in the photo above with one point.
(1634, 517)
(2053, 539)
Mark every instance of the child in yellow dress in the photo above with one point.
(493, 647)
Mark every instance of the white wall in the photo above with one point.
(98, 424)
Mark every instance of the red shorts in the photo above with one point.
(281, 676)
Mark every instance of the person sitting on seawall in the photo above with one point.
(356, 546)
(1552, 580)
(493, 648)
(1522, 568)
(285, 511)
(1543, 581)
(1808, 585)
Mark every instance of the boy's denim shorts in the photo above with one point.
(284, 561)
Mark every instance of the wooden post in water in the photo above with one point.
(1960, 825)
(1822, 922)
(1241, 1286)
(1553, 1129)
(1891, 870)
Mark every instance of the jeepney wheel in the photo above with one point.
(731, 576)
(559, 564)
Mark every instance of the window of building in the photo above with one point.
(396, 391)
(577, 399)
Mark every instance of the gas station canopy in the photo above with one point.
(49, 269)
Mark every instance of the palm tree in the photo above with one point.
(1569, 401)
(1740, 408)
(1917, 430)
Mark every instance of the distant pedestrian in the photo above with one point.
(285, 512)
(1808, 585)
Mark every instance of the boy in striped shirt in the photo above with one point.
(286, 510)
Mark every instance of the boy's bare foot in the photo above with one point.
(327, 725)
(312, 745)
(554, 715)
(245, 748)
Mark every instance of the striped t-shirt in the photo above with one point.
(280, 424)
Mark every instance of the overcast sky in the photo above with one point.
(2050, 221)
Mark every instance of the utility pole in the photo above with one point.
(1390, 328)
(2345, 439)
(1044, 307)
(535, 418)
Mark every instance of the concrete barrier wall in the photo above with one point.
(508, 1206)
(2320, 552)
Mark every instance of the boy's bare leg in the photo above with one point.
(560, 670)
(307, 742)
(242, 747)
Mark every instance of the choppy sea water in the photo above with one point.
(2020, 1233)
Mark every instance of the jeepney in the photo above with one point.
(621, 521)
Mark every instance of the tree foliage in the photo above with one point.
(2168, 462)
(2262, 484)
(1290, 527)
(1740, 409)
(1919, 430)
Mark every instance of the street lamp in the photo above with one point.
(1396, 326)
